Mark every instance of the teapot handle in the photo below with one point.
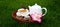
(45, 11)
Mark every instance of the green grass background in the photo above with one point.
(51, 19)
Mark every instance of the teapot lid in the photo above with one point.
(36, 5)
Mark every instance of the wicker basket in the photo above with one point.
(21, 18)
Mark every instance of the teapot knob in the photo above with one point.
(35, 3)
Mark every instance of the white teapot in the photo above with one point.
(37, 8)
(36, 12)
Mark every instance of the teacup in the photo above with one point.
(22, 12)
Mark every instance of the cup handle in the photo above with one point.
(45, 11)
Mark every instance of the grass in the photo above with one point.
(51, 19)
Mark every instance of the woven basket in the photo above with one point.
(21, 18)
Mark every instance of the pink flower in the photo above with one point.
(36, 17)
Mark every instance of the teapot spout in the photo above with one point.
(29, 6)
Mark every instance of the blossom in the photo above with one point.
(36, 17)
